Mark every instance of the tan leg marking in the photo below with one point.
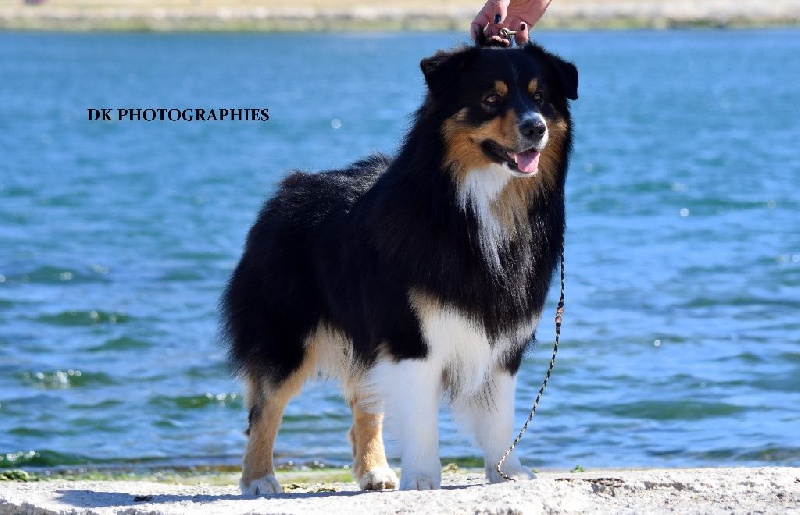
(269, 404)
(370, 467)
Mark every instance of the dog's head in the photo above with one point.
(507, 107)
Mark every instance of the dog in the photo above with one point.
(416, 278)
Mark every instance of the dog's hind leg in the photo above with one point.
(370, 467)
(490, 416)
(266, 404)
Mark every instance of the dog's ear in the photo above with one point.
(566, 72)
(444, 67)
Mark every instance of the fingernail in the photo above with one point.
(497, 18)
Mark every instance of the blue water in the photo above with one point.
(681, 338)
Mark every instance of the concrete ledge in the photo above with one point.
(730, 490)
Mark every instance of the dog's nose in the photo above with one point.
(533, 127)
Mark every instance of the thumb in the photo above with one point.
(494, 11)
(492, 14)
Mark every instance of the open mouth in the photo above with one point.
(525, 162)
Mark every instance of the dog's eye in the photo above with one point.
(492, 100)
(538, 97)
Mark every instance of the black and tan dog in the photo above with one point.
(414, 278)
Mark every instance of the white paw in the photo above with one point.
(262, 486)
(382, 478)
(512, 468)
(420, 481)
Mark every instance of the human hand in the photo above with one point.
(514, 15)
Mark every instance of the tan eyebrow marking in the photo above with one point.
(533, 86)
(501, 88)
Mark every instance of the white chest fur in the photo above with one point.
(479, 190)
(460, 347)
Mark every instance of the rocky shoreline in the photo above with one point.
(241, 15)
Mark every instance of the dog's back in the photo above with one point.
(275, 296)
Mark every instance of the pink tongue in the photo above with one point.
(527, 161)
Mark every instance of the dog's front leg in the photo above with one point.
(412, 398)
(490, 415)
(370, 468)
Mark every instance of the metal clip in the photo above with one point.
(507, 34)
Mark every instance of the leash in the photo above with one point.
(508, 35)
(559, 314)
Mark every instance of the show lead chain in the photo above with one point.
(559, 314)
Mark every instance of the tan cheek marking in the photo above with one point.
(511, 205)
(463, 142)
(507, 136)
(462, 153)
(550, 160)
